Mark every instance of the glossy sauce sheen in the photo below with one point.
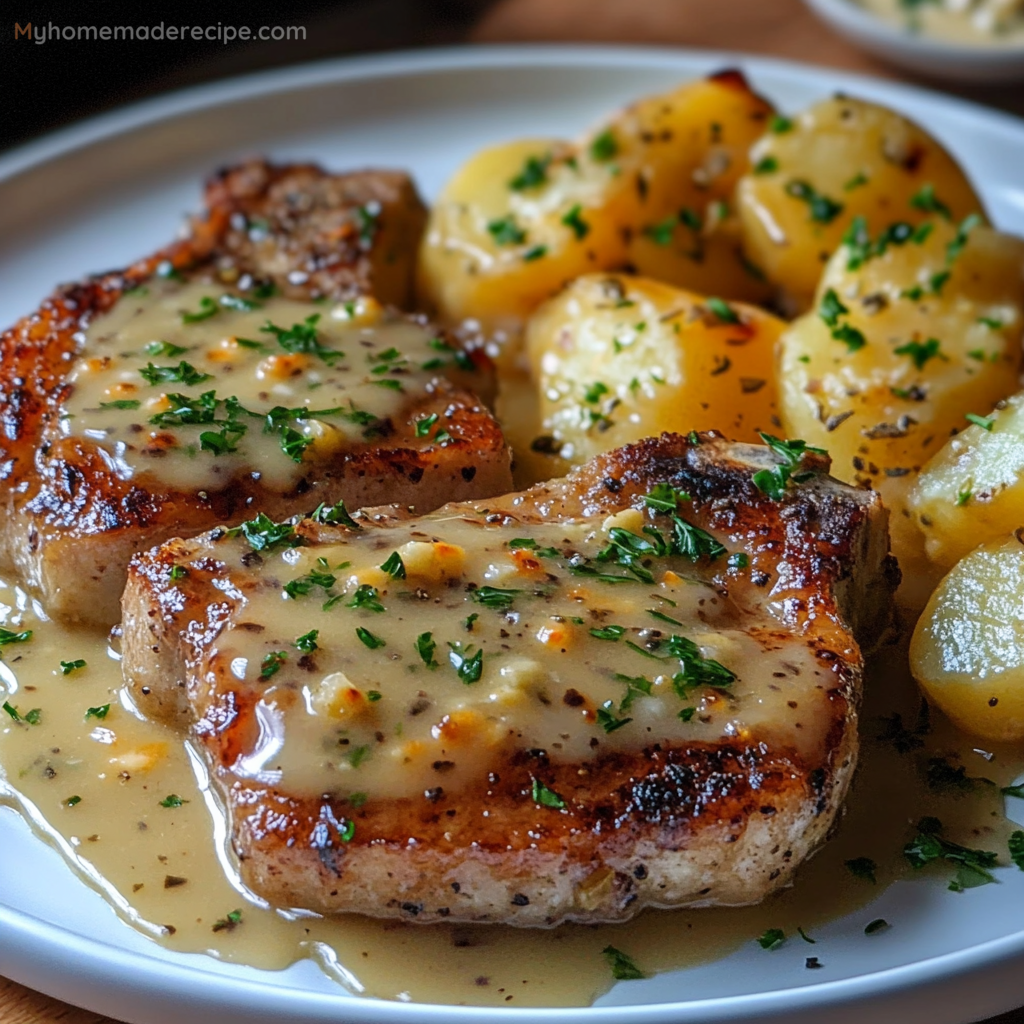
(559, 652)
(350, 366)
(166, 872)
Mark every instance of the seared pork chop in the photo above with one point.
(636, 686)
(251, 366)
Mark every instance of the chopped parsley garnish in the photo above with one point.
(307, 642)
(164, 348)
(303, 338)
(100, 712)
(766, 165)
(822, 209)
(229, 923)
(367, 215)
(697, 670)
(121, 403)
(495, 597)
(366, 598)
(803, 935)
(661, 233)
(773, 481)
(622, 965)
(575, 222)
(9, 637)
(991, 322)
(67, 667)
(207, 307)
(546, 797)
(664, 497)
(956, 246)
(857, 181)
(604, 147)
(263, 534)
(535, 253)
(172, 800)
(594, 392)
(929, 846)
(347, 832)
(369, 639)
(606, 717)
(863, 867)
(534, 173)
(72, 801)
(394, 566)
(852, 338)
(425, 648)
(505, 231)
(373, 696)
(1016, 848)
(334, 514)
(926, 200)
(779, 125)
(722, 310)
(944, 777)
(183, 373)
(985, 422)
(738, 560)
(831, 308)
(238, 303)
(272, 663)
(608, 632)
(772, 938)
(878, 925)
(468, 665)
(861, 248)
(33, 717)
(303, 585)
(424, 423)
(1016, 791)
(662, 617)
(920, 351)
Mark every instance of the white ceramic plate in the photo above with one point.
(109, 190)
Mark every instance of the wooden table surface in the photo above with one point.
(780, 28)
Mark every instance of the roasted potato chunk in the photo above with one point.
(840, 159)
(650, 186)
(972, 489)
(618, 358)
(967, 652)
(910, 333)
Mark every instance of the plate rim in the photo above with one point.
(104, 963)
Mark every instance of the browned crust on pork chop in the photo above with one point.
(72, 523)
(692, 824)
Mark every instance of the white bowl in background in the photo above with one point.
(937, 58)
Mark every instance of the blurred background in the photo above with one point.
(51, 83)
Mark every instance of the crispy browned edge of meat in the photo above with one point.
(699, 823)
(61, 490)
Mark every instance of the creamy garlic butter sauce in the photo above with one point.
(449, 641)
(981, 22)
(129, 807)
(192, 384)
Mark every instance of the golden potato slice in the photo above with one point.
(967, 652)
(909, 334)
(840, 159)
(518, 221)
(515, 223)
(618, 358)
(972, 489)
